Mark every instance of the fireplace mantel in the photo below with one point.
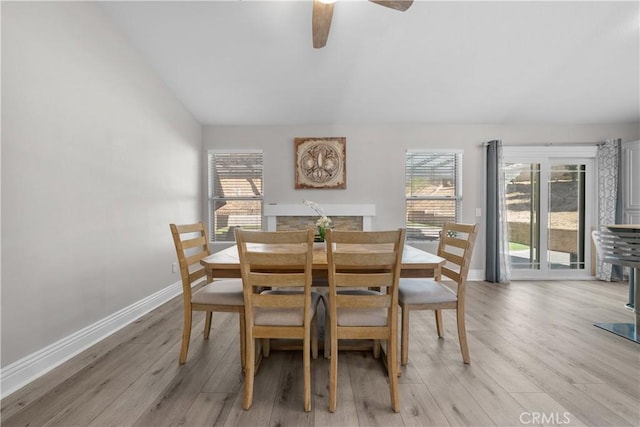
(274, 210)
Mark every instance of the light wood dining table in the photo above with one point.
(415, 263)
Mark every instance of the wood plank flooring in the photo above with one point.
(536, 359)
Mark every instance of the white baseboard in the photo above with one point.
(475, 275)
(33, 366)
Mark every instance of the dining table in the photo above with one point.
(415, 263)
(620, 245)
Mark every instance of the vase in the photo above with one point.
(321, 245)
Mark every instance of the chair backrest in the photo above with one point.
(192, 244)
(620, 247)
(456, 246)
(280, 260)
(365, 259)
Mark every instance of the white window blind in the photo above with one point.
(235, 193)
(432, 183)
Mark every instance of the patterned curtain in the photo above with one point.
(610, 198)
(497, 268)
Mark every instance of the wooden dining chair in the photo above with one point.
(456, 246)
(225, 295)
(280, 262)
(364, 269)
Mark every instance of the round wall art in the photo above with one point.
(321, 162)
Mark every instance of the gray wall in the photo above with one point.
(98, 157)
(375, 160)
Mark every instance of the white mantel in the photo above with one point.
(272, 211)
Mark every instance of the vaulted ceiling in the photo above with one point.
(252, 62)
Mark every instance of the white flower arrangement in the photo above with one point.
(323, 222)
(313, 205)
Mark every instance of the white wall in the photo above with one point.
(375, 160)
(98, 157)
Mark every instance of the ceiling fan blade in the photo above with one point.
(322, 14)
(400, 5)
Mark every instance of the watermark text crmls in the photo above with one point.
(546, 418)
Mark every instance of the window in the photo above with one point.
(235, 193)
(433, 191)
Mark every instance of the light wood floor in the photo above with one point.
(536, 358)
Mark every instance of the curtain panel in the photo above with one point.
(497, 268)
(610, 198)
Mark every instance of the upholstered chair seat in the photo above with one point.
(221, 292)
(424, 291)
(283, 316)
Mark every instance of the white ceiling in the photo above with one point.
(252, 62)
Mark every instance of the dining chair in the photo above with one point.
(456, 246)
(276, 268)
(225, 295)
(364, 270)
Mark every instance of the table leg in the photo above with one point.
(628, 330)
(632, 288)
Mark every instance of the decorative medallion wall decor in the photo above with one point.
(321, 162)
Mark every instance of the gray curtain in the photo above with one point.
(609, 160)
(497, 250)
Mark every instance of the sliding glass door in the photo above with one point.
(523, 215)
(550, 208)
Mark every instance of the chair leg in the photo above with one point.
(258, 356)
(186, 335)
(327, 336)
(249, 372)
(333, 375)
(376, 349)
(243, 343)
(404, 338)
(266, 347)
(439, 326)
(314, 336)
(462, 335)
(306, 362)
(392, 368)
(207, 324)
